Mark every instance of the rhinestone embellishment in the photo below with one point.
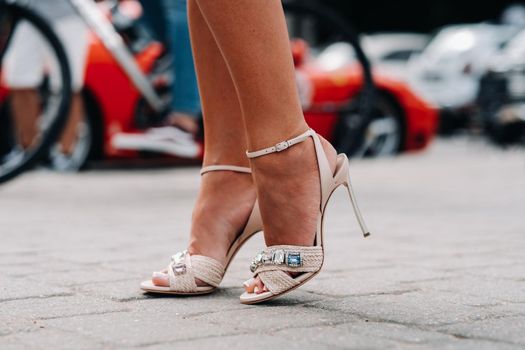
(293, 259)
(258, 260)
(179, 264)
(277, 257)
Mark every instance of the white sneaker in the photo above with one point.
(75, 161)
(168, 140)
(13, 158)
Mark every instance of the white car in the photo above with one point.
(448, 71)
(388, 52)
(391, 52)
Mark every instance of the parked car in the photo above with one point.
(501, 97)
(392, 51)
(448, 71)
(402, 120)
(389, 52)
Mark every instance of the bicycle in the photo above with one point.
(54, 110)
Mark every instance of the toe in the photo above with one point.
(259, 286)
(249, 285)
(160, 279)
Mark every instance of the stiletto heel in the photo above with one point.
(342, 177)
(185, 268)
(275, 264)
(357, 212)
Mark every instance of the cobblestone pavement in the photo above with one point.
(444, 267)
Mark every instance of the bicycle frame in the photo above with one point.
(103, 28)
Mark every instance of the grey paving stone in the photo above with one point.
(360, 334)
(503, 329)
(275, 316)
(379, 280)
(20, 288)
(119, 290)
(141, 328)
(44, 339)
(283, 341)
(27, 314)
(460, 343)
(414, 308)
(491, 288)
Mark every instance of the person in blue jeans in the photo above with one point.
(169, 22)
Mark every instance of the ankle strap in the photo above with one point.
(281, 146)
(237, 169)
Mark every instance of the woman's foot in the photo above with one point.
(221, 211)
(289, 195)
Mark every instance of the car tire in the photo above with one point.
(382, 135)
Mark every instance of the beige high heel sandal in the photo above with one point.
(274, 264)
(185, 268)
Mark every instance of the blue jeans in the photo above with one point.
(169, 21)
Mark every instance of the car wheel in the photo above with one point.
(382, 135)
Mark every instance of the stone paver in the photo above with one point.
(444, 268)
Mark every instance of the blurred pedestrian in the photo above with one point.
(25, 64)
(168, 21)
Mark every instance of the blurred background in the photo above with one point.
(376, 78)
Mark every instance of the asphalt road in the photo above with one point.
(443, 269)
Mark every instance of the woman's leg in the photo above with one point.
(253, 39)
(225, 199)
(70, 134)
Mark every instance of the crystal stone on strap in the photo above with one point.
(293, 259)
(278, 256)
(179, 264)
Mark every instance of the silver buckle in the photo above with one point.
(281, 146)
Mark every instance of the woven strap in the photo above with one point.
(234, 168)
(281, 146)
(207, 270)
(184, 269)
(272, 268)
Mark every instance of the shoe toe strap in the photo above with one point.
(274, 264)
(184, 269)
(277, 281)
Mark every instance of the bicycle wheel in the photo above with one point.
(52, 93)
(324, 29)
